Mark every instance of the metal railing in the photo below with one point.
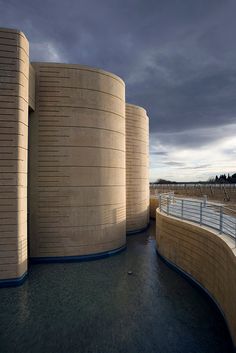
(205, 213)
(192, 185)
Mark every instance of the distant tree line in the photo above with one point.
(223, 179)
(164, 181)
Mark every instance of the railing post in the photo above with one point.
(182, 209)
(168, 205)
(160, 203)
(173, 197)
(235, 233)
(221, 219)
(200, 213)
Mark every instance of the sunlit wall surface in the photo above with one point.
(87, 161)
(137, 161)
(77, 162)
(14, 75)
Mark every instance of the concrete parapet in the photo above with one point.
(205, 256)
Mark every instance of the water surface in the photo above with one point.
(96, 307)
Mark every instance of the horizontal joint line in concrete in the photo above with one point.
(9, 58)
(12, 95)
(12, 83)
(81, 166)
(81, 226)
(79, 186)
(15, 46)
(74, 206)
(87, 206)
(18, 71)
(13, 146)
(82, 107)
(82, 88)
(12, 108)
(77, 146)
(80, 127)
(95, 71)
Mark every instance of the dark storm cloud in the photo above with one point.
(174, 164)
(198, 137)
(201, 166)
(159, 153)
(176, 56)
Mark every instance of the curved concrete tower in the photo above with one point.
(14, 76)
(137, 168)
(77, 162)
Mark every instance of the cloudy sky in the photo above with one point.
(178, 58)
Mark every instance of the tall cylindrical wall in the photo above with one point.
(137, 165)
(14, 76)
(77, 162)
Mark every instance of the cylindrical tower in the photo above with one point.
(14, 81)
(137, 165)
(77, 162)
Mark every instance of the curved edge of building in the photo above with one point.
(13, 31)
(138, 108)
(13, 282)
(81, 258)
(203, 256)
(82, 67)
(137, 169)
(14, 61)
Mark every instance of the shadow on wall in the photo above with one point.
(205, 257)
(138, 220)
(154, 204)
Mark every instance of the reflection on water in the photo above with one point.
(97, 307)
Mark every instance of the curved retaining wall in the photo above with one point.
(154, 203)
(14, 77)
(137, 168)
(77, 162)
(205, 256)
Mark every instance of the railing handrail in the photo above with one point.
(230, 185)
(211, 214)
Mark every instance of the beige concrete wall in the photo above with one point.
(209, 258)
(14, 75)
(31, 87)
(137, 168)
(77, 162)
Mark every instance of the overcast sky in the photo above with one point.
(177, 57)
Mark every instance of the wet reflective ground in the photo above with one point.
(97, 307)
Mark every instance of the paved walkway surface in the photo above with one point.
(97, 307)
